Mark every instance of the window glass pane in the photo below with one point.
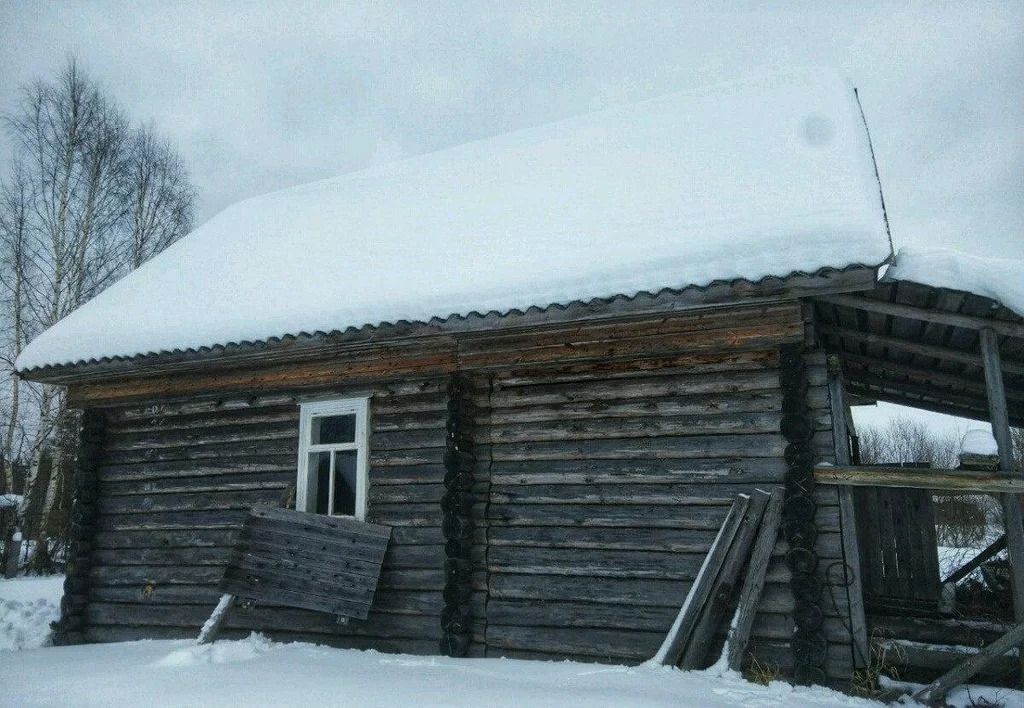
(330, 429)
(320, 474)
(345, 482)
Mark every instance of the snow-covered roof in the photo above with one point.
(979, 442)
(765, 177)
(999, 279)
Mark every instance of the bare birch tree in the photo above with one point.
(88, 199)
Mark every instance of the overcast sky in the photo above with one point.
(257, 100)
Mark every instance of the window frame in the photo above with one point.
(306, 485)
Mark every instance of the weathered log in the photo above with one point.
(575, 640)
(724, 585)
(674, 645)
(936, 691)
(753, 583)
(910, 477)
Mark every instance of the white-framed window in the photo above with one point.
(333, 452)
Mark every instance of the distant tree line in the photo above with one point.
(962, 520)
(85, 196)
(906, 441)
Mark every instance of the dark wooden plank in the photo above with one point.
(675, 643)
(737, 469)
(755, 445)
(753, 583)
(185, 538)
(613, 390)
(640, 427)
(556, 613)
(724, 585)
(641, 491)
(616, 643)
(604, 515)
(593, 563)
(162, 556)
(989, 552)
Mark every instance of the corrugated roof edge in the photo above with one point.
(718, 293)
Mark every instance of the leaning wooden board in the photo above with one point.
(309, 561)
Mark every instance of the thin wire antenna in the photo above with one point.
(878, 178)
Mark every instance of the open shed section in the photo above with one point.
(955, 349)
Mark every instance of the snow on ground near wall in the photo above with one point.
(755, 178)
(255, 672)
(11, 501)
(27, 606)
(1000, 279)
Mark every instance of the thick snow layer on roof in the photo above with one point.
(979, 442)
(1000, 279)
(750, 179)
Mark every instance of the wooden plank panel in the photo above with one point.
(271, 566)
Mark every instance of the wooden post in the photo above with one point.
(13, 555)
(211, 628)
(753, 584)
(936, 691)
(847, 520)
(1010, 502)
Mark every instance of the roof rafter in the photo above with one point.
(1009, 329)
(931, 350)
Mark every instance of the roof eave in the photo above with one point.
(314, 345)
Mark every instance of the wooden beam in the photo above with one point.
(1010, 329)
(894, 397)
(753, 584)
(679, 634)
(971, 481)
(1010, 502)
(848, 521)
(929, 350)
(864, 379)
(970, 566)
(925, 376)
(935, 692)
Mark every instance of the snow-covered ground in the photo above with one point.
(257, 672)
(27, 606)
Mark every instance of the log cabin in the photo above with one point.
(547, 361)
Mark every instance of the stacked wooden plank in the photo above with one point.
(690, 640)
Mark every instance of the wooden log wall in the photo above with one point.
(606, 486)
(178, 478)
(68, 629)
(605, 458)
